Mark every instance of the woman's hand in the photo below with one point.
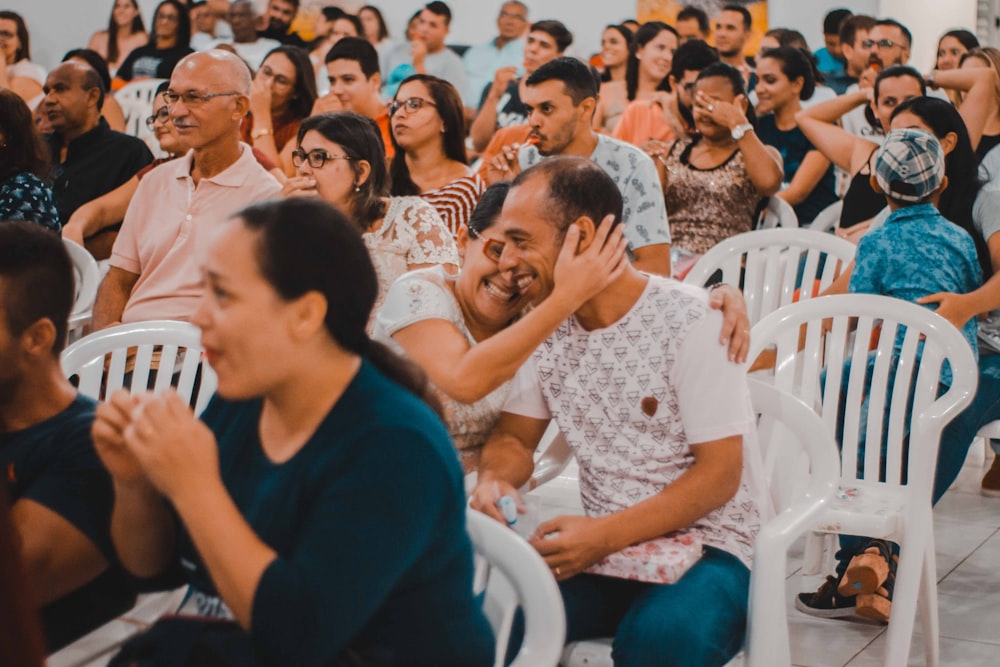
(725, 114)
(300, 186)
(735, 322)
(260, 102)
(578, 276)
(111, 420)
(854, 232)
(175, 449)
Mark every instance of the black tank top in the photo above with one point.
(987, 143)
(860, 201)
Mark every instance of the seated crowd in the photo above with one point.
(405, 264)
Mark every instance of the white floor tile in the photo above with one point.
(954, 653)
(969, 508)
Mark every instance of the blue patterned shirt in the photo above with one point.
(24, 196)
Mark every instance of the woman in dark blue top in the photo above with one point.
(786, 76)
(25, 193)
(320, 503)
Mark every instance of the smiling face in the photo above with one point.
(614, 48)
(657, 55)
(552, 116)
(730, 34)
(489, 298)
(950, 52)
(415, 128)
(280, 14)
(774, 89)
(124, 12)
(242, 318)
(718, 89)
(213, 120)
(163, 128)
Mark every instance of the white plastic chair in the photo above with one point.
(801, 465)
(765, 264)
(177, 343)
(136, 100)
(87, 276)
(898, 508)
(777, 213)
(827, 219)
(513, 575)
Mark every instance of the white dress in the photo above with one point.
(411, 233)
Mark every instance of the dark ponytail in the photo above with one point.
(307, 245)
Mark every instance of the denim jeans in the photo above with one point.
(699, 621)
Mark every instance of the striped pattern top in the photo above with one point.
(454, 202)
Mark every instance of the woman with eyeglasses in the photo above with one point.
(168, 43)
(125, 33)
(465, 331)
(428, 135)
(282, 96)
(340, 159)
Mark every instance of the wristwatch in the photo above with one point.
(740, 130)
(264, 131)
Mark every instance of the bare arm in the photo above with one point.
(839, 146)
(57, 556)
(108, 209)
(763, 164)
(960, 308)
(980, 103)
(653, 259)
(112, 296)
(485, 124)
(507, 461)
(806, 178)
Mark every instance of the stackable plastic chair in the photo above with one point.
(801, 472)
(887, 492)
(513, 575)
(136, 100)
(769, 265)
(777, 213)
(86, 278)
(100, 361)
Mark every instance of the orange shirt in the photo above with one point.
(505, 136)
(641, 122)
(383, 125)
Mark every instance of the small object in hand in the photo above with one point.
(649, 405)
(508, 508)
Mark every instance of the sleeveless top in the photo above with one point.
(706, 206)
(860, 201)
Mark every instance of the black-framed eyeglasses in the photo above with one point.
(412, 104)
(882, 43)
(162, 115)
(193, 99)
(280, 79)
(316, 158)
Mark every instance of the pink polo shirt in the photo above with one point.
(168, 226)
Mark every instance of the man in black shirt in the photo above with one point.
(279, 17)
(61, 494)
(91, 159)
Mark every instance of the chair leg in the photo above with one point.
(929, 605)
(908, 583)
(818, 556)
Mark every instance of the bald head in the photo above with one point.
(74, 95)
(217, 69)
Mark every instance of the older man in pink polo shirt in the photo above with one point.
(154, 271)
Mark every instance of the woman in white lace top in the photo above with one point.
(340, 158)
(461, 329)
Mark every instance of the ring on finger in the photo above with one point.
(557, 570)
(710, 108)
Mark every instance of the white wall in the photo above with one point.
(58, 25)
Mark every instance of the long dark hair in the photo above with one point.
(383, 32)
(307, 245)
(961, 166)
(488, 208)
(643, 36)
(304, 92)
(964, 37)
(137, 26)
(629, 42)
(361, 140)
(449, 107)
(22, 150)
(183, 25)
(24, 51)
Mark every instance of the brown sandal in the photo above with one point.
(867, 571)
(878, 605)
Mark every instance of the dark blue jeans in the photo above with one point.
(699, 621)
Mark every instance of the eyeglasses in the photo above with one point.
(316, 158)
(7, 34)
(493, 249)
(280, 79)
(162, 115)
(169, 18)
(882, 44)
(412, 105)
(193, 99)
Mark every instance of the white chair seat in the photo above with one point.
(872, 510)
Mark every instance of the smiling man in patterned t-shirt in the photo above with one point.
(655, 414)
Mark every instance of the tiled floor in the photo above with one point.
(967, 534)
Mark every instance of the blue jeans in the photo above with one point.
(698, 621)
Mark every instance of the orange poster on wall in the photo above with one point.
(666, 10)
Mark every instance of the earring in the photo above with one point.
(443, 130)
(357, 188)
